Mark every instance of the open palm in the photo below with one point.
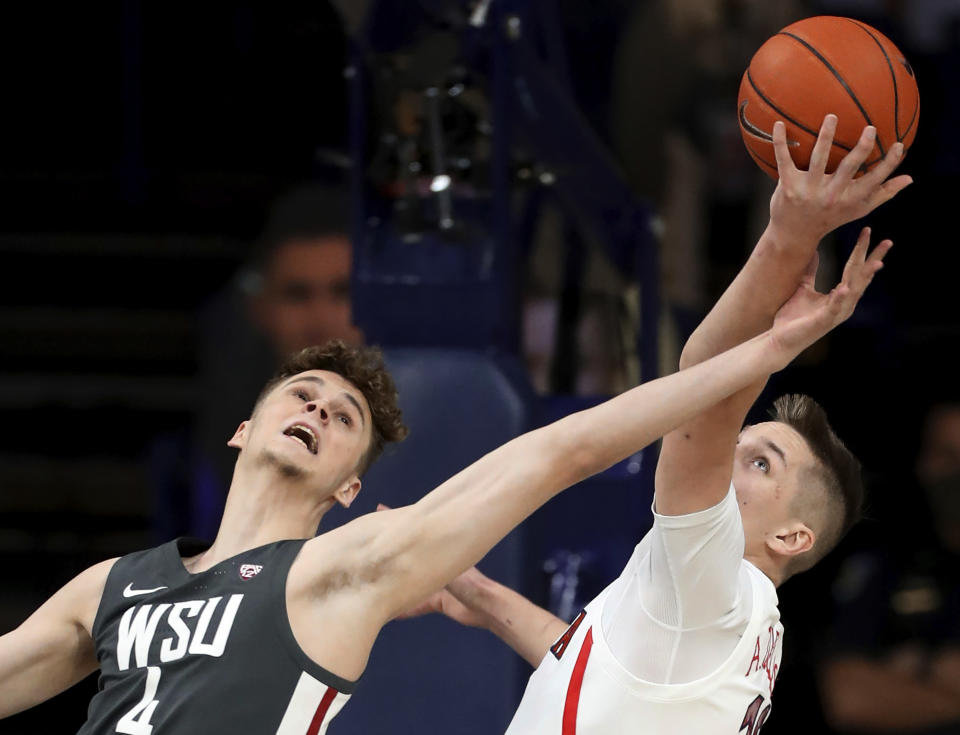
(809, 314)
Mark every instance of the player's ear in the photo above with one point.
(793, 538)
(348, 492)
(239, 436)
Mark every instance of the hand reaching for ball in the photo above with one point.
(809, 204)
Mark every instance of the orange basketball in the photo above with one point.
(821, 65)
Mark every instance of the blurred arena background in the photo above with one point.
(529, 204)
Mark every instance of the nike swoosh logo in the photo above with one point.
(754, 130)
(129, 591)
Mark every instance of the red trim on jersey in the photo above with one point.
(560, 647)
(321, 712)
(573, 690)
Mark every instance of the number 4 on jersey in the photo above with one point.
(137, 720)
(753, 720)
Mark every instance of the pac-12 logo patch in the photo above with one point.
(250, 570)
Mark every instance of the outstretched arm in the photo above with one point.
(53, 648)
(403, 555)
(804, 208)
(475, 600)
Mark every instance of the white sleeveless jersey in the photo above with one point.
(581, 688)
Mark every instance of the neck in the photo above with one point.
(261, 508)
(766, 565)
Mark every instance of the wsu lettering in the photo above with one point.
(195, 627)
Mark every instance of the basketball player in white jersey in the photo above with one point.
(688, 638)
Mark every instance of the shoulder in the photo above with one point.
(79, 599)
(92, 580)
(727, 510)
(98, 573)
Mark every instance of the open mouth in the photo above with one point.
(304, 435)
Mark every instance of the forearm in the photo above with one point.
(747, 307)
(860, 694)
(454, 526)
(527, 628)
(615, 429)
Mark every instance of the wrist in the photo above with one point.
(477, 592)
(776, 354)
(784, 241)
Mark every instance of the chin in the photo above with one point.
(284, 466)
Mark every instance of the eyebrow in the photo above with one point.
(321, 381)
(777, 450)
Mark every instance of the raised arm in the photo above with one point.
(53, 648)
(405, 554)
(804, 208)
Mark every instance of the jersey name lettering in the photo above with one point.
(188, 622)
(768, 662)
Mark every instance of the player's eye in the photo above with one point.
(761, 464)
(345, 419)
(301, 394)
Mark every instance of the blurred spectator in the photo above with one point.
(294, 292)
(299, 292)
(894, 653)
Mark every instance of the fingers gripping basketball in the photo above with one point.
(822, 65)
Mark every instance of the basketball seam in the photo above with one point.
(839, 78)
(785, 116)
(913, 119)
(893, 76)
(760, 159)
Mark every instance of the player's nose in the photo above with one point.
(320, 410)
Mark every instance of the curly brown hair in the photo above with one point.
(364, 368)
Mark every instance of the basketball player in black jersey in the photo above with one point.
(267, 629)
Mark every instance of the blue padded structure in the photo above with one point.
(430, 675)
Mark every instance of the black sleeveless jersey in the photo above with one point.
(208, 653)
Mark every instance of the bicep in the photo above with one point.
(53, 648)
(400, 556)
(453, 527)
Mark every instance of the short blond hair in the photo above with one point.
(831, 496)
